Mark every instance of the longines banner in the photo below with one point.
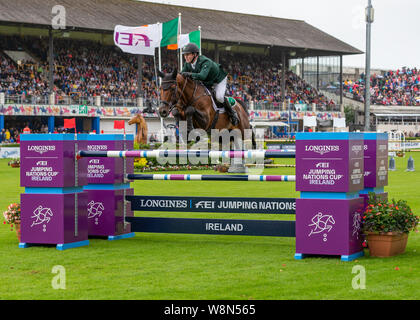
(213, 204)
(112, 112)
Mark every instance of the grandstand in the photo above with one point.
(49, 74)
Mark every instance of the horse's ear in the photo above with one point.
(161, 74)
(174, 73)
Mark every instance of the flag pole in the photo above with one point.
(159, 63)
(199, 29)
(179, 32)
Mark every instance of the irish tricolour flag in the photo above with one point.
(144, 39)
(184, 39)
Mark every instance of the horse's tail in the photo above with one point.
(243, 105)
(254, 142)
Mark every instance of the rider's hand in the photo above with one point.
(186, 74)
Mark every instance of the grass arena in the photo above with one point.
(185, 266)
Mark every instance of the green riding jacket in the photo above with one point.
(206, 70)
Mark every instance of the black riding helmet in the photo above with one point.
(190, 48)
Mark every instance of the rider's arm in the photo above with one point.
(202, 75)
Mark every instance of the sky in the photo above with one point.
(395, 31)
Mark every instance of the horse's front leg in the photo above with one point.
(189, 113)
(201, 119)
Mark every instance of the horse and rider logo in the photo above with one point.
(321, 223)
(357, 220)
(95, 210)
(324, 223)
(42, 216)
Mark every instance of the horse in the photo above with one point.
(141, 136)
(190, 100)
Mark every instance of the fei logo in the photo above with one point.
(42, 216)
(321, 223)
(131, 39)
(205, 204)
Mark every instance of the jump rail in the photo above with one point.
(249, 154)
(202, 177)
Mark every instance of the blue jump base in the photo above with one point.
(122, 236)
(300, 256)
(59, 246)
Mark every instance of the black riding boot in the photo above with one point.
(233, 115)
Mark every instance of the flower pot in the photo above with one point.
(17, 228)
(386, 244)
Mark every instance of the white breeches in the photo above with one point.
(220, 90)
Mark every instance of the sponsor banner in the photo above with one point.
(7, 153)
(272, 228)
(112, 112)
(212, 204)
(411, 145)
(294, 115)
(68, 110)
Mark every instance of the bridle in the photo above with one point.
(175, 98)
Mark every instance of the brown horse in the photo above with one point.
(141, 136)
(189, 100)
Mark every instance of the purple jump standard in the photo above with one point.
(107, 186)
(376, 165)
(53, 207)
(329, 175)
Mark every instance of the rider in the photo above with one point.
(201, 68)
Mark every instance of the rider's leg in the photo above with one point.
(220, 89)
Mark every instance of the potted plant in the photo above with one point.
(14, 163)
(12, 217)
(387, 225)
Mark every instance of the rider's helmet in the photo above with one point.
(190, 48)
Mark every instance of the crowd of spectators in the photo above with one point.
(90, 69)
(257, 78)
(401, 87)
(11, 134)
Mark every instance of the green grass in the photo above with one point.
(162, 266)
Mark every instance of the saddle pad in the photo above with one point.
(215, 107)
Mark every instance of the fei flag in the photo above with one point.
(144, 39)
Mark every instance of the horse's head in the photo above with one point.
(168, 93)
(132, 120)
(135, 119)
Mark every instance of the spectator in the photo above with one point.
(7, 136)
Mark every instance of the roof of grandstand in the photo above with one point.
(217, 26)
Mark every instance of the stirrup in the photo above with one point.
(233, 115)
